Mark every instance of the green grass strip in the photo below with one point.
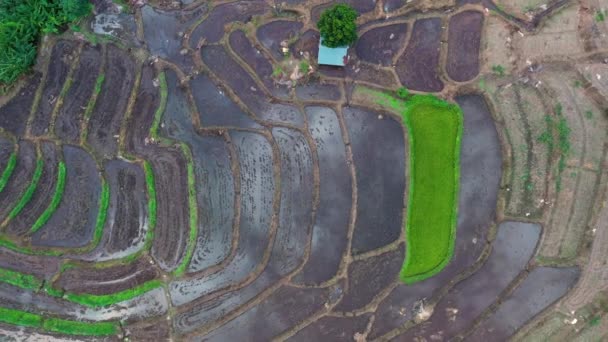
(151, 187)
(181, 269)
(59, 187)
(95, 301)
(162, 80)
(104, 202)
(80, 328)
(434, 131)
(8, 171)
(24, 281)
(26, 319)
(21, 318)
(29, 192)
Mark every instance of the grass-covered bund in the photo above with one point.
(434, 131)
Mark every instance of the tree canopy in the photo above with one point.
(337, 26)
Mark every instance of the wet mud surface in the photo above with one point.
(73, 223)
(112, 101)
(464, 39)
(513, 248)
(380, 45)
(380, 200)
(22, 223)
(61, 59)
(111, 280)
(69, 117)
(14, 114)
(543, 286)
(127, 219)
(272, 34)
(19, 179)
(417, 66)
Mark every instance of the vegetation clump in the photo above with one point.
(337, 26)
(22, 22)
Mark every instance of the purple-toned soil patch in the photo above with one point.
(542, 287)
(73, 223)
(463, 45)
(212, 28)
(336, 329)
(380, 45)
(162, 33)
(368, 277)
(372, 74)
(361, 6)
(480, 173)
(307, 43)
(512, 249)
(418, 66)
(242, 46)
(6, 149)
(69, 117)
(14, 114)
(127, 218)
(293, 233)
(111, 104)
(150, 330)
(216, 108)
(380, 168)
(215, 187)
(219, 61)
(392, 5)
(257, 200)
(41, 198)
(272, 34)
(315, 91)
(333, 216)
(145, 106)
(57, 72)
(172, 212)
(112, 279)
(20, 178)
(44, 267)
(292, 305)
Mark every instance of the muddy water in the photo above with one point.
(463, 45)
(543, 286)
(512, 249)
(331, 225)
(257, 188)
(380, 169)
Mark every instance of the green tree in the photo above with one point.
(337, 26)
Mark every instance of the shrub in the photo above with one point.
(304, 66)
(22, 22)
(337, 26)
(403, 93)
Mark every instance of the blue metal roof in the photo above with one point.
(331, 56)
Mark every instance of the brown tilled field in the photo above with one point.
(181, 177)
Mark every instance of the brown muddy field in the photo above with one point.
(276, 211)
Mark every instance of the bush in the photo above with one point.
(337, 26)
(21, 24)
(403, 93)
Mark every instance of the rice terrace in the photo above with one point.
(303, 170)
